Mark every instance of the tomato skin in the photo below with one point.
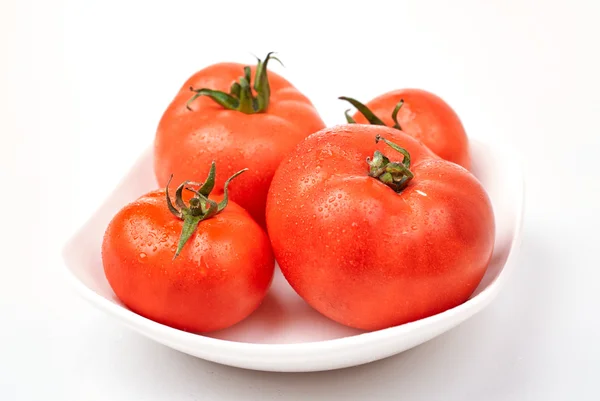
(360, 253)
(220, 277)
(186, 142)
(426, 117)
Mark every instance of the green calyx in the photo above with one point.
(241, 95)
(200, 207)
(369, 115)
(395, 175)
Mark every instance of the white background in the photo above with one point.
(82, 87)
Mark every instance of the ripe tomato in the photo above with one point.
(222, 269)
(421, 114)
(249, 127)
(379, 243)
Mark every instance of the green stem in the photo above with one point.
(209, 184)
(234, 90)
(172, 208)
(395, 175)
(349, 118)
(240, 96)
(369, 115)
(395, 114)
(364, 110)
(190, 223)
(247, 101)
(200, 206)
(225, 200)
(261, 82)
(222, 98)
(406, 160)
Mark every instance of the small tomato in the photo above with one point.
(198, 267)
(422, 115)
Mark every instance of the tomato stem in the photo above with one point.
(369, 115)
(395, 114)
(395, 175)
(241, 97)
(349, 118)
(200, 206)
(364, 110)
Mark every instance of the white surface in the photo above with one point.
(285, 334)
(80, 80)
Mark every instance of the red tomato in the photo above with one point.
(422, 115)
(379, 243)
(248, 127)
(221, 275)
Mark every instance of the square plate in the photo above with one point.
(285, 334)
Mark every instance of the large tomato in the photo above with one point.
(198, 267)
(377, 243)
(251, 127)
(421, 114)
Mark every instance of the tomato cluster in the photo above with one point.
(374, 223)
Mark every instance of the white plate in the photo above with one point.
(285, 334)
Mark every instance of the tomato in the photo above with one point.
(421, 114)
(199, 268)
(378, 243)
(251, 127)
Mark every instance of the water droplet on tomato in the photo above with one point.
(320, 208)
(154, 248)
(331, 199)
(355, 224)
(339, 196)
(142, 255)
(414, 227)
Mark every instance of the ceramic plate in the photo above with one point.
(285, 334)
